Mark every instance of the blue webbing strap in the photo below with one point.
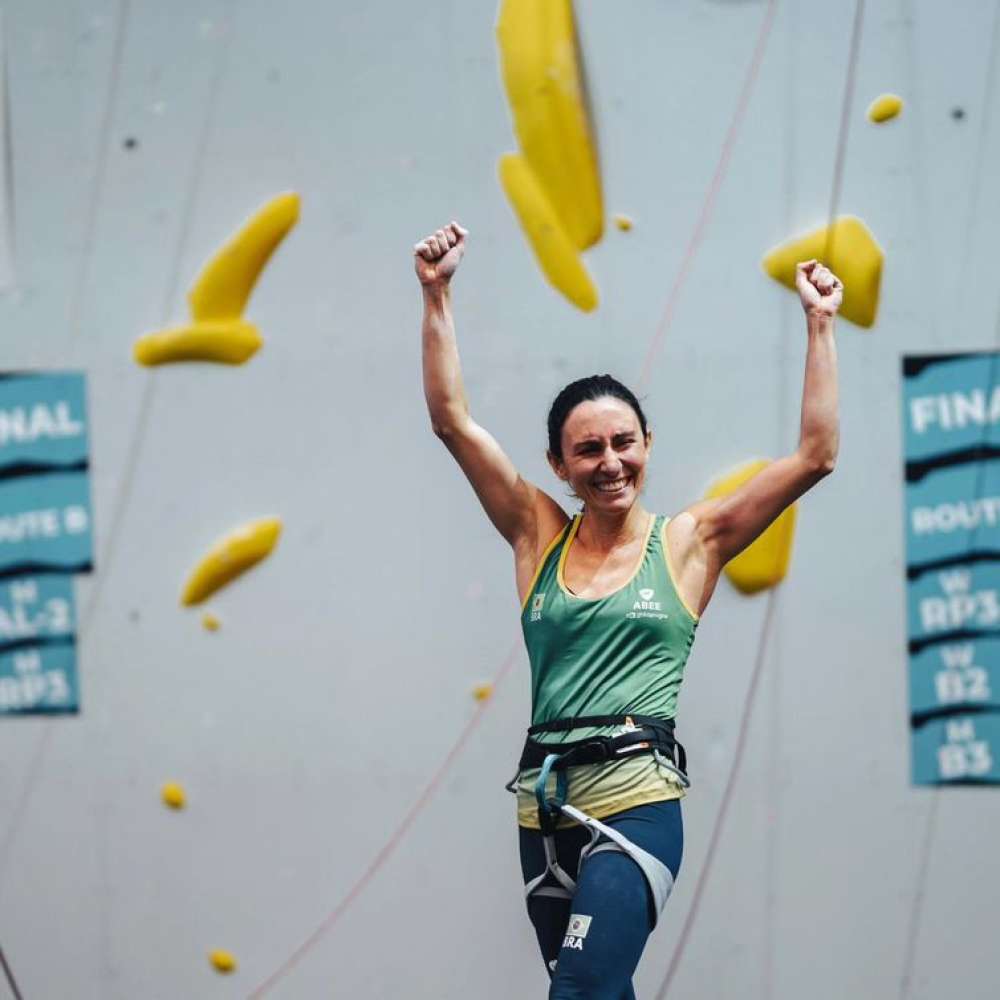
(547, 808)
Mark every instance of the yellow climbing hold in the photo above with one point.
(209, 622)
(623, 222)
(218, 331)
(173, 795)
(482, 692)
(849, 249)
(230, 556)
(883, 108)
(223, 961)
(763, 563)
(557, 256)
(541, 73)
(224, 285)
(230, 341)
(554, 185)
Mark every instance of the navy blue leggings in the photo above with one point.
(612, 892)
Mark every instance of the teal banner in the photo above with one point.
(962, 598)
(949, 675)
(952, 511)
(37, 653)
(951, 404)
(960, 748)
(46, 534)
(39, 679)
(43, 421)
(36, 609)
(45, 523)
(951, 434)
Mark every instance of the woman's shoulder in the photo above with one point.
(678, 527)
(550, 521)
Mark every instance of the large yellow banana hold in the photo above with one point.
(225, 283)
(558, 258)
(217, 300)
(230, 556)
(229, 341)
(538, 58)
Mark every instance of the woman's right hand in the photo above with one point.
(436, 258)
(820, 290)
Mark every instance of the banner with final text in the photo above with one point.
(951, 433)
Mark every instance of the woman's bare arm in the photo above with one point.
(525, 516)
(710, 533)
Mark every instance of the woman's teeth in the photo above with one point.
(612, 487)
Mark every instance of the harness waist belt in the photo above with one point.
(562, 725)
(643, 734)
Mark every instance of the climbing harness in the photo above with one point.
(639, 734)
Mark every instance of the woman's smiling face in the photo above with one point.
(604, 454)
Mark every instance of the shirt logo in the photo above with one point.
(646, 607)
(536, 608)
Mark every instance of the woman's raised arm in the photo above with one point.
(526, 516)
(708, 534)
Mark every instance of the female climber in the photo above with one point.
(610, 600)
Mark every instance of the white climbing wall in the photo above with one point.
(141, 135)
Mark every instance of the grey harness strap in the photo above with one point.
(602, 838)
(657, 874)
(535, 887)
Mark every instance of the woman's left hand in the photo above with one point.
(820, 290)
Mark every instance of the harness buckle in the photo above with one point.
(601, 744)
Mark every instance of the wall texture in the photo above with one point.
(306, 728)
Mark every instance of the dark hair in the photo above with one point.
(583, 389)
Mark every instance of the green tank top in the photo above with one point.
(615, 655)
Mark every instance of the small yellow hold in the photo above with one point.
(884, 108)
(623, 222)
(764, 563)
(173, 795)
(210, 623)
(229, 557)
(222, 960)
(849, 249)
(558, 258)
(482, 692)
